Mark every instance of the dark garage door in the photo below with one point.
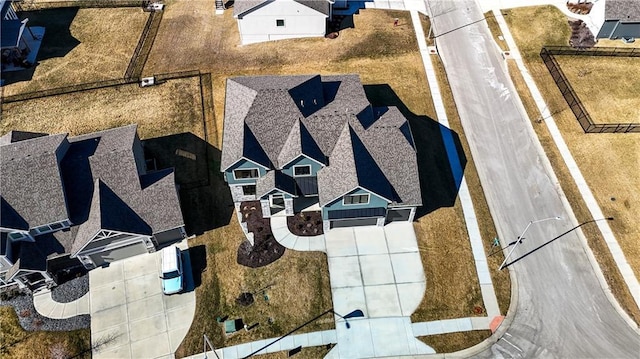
(394, 215)
(354, 222)
(102, 258)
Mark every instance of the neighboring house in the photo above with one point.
(621, 19)
(19, 42)
(293, 142)
(266, 20)
(85, 200)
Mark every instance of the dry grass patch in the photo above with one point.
(452, 342)
(494, 28)
(16, 343)
(172, 107)
(297, 286)
(81, 45)
(616, 98)
(609, 162)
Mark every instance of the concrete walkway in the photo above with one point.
(473, 229)
(618, 256)
(289, 240)
(45, 305)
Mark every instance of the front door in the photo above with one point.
(277, 200)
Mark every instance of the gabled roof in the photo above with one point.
(26, 256)
(326, 117)
(15, 136)
(30, 180)
(623, 10)
(242, 7)
(299, 142)
(275, 180)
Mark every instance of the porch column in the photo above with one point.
(288, 206)
(380, 222)
(412, 214)
(266, 208)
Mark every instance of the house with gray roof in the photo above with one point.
(86, 200)
(621, 19)
(267, 20)
(312, 142)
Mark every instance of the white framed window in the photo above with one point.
(249, 190)
(355, 199)
(301, 171)
(17, 236)
(246, 173)
(280, 22)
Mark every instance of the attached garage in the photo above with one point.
(395, 215)
(354, 222)
(355, 217)
(105, 257)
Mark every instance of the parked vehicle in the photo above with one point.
(172, 279)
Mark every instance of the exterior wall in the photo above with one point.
(265, 203)
(300, 21)
(301, 161)
(238, 195)
(374, 202)
(243, 164)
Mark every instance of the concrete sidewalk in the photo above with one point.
(473, 230)
(289, 240)
(48, 307)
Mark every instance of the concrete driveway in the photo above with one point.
(379, 271)
(131, 317)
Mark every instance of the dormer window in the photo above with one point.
(301, 171)
(246, 173)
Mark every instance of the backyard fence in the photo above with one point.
(32, 5)
(141, 53)
(569, 94)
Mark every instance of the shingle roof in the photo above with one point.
(26, 256)
(30, 180)
(623, 10)
(336, 121)
(275, 180)
(241, 7)
(15, 136)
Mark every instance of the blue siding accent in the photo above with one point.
(375, 201)
(243, 164)
(301, 161)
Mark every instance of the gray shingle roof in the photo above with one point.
(15, 136)
(26, 256)
(275, 180)
(375, 153)
(104, 164)
(623, 10)
(30, 180)
(241, 7)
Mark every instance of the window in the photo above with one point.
(249, 190)
(246, 174)
(356, 199)
(43, 229)
(299, 171)
(280, 22)
(16, 235)
(277, 200)
(55, 226)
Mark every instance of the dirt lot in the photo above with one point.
(173, 107)
(79, 46)
(616, 99)
(609, 162)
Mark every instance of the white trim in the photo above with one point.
(279, 195)
(356, 204)
(248, 160)
(245, 169)
(112, 246)
(305, 156)
(301, 166)
(105, 236)
(354, 189)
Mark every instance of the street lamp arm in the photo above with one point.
(521, 237)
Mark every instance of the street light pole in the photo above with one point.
(521, 237)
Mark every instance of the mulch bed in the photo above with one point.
(581, 36)
(306, 224)
(581, 9)
(266, 249)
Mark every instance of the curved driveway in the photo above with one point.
(562, 311)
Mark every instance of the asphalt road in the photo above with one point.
(562, 311)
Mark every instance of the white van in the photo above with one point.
(172, 281)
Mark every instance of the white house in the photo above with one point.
(266, 20)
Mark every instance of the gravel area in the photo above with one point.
(71, 290)
(31, 320)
